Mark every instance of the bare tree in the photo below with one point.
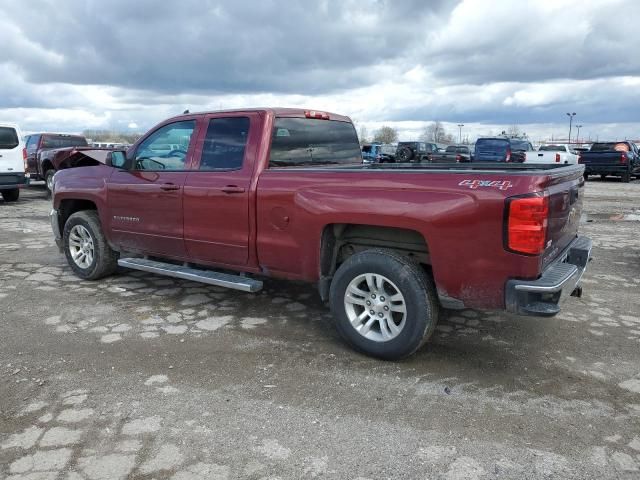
(436, 133)
(363, 135)
(386, 134)
(513, 131)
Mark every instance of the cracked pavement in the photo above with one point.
(142, 376)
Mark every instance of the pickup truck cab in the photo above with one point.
(612, 158)
(246, 194)
(41, 150)
(12, 176)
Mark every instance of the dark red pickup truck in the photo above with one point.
(45, 151)
(283, 193)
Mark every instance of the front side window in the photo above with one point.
(299, 142)
(225, 143)
(8, 138)
(166, 148)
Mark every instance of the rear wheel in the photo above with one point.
(11, 195)
(48, 178)
(603, 176)
(626, 177)
(384, 304)
(404, 155)
(86, 247)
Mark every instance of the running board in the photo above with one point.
(186, 273)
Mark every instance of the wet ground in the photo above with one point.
(141, 376)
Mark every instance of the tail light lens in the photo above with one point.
(458, 158)
(557, 158)
(623, 158)
(24, 158)
(526, 224)
(507, 158)
(315, 114)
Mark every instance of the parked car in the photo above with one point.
(378, 153)
(415, 151)
(452, 154)
(12, 176)
(501, 149)
(621, 159)
(42, 147)
(283, 193)
(557, 153)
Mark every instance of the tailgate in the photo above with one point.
(595, 159)
(566, 195)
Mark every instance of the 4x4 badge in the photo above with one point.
(473, 184)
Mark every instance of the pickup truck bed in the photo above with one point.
(387, 244)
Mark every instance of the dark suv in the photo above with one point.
(501, 149)
(415, 151)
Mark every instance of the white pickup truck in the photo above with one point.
(557, 153)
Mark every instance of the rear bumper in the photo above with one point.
(542, 297)
(9, 181)
(608, 169)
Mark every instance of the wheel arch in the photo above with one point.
(341, 240)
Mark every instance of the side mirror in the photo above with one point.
(116, 159)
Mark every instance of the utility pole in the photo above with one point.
(570, 115)
(578, 133)
(460, 125)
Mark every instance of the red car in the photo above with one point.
(283, 193)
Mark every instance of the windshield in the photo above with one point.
(61, 141)
(609, 147)
(309, 141)
(8, 138)
(496, 145)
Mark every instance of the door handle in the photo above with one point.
(169, 187)
(232, 189)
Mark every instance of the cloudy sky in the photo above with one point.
(70, 65)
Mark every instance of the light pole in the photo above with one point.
(570, 115)
(578, 133)
(460, 125)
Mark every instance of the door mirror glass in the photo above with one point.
(117, 159)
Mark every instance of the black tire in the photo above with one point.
(416, 287)
(11, 195)
(625, 177)
(48, 179)
(586, 177)
(603, 176)
(404, 155)
(105, 260)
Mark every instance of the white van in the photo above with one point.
(12, 155)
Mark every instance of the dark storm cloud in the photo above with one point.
(215, 46)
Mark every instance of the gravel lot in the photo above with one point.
(140, 376)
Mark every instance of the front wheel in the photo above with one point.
(11, 195)
(86, 247)
(384, 304)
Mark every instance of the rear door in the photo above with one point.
(491, 150)
(11, 163)
(217, 191)
(145, 202)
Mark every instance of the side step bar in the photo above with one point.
(187, 273)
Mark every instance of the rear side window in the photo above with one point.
(225, 143)
(492, 145)
(61, 141)
(301, 142)
(8, 138)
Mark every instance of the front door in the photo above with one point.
(217, 191)
(145, 202)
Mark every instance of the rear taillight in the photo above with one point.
(557, 158)
(623, 158)
(24, 158)
(458, 158)
(508, 156)
(526, 224)
(579, 158)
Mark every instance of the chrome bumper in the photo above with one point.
(542, 297)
